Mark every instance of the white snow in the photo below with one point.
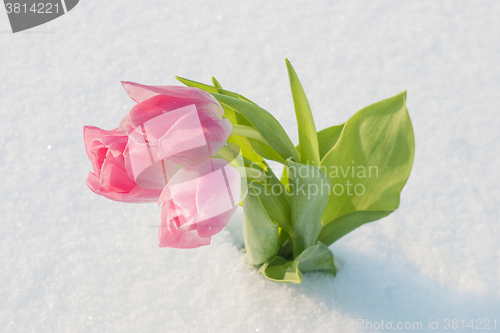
(71, 261)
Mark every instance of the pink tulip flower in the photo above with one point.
(170, 127)
(110, 178)
(197, 203)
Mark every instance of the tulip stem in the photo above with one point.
(249, 132)
(253, 171)
(227, 154)
(255, 174)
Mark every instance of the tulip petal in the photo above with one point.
(136, 195)
(114, 177)
(110, 177)
(169, 127)
(198, 203)
(215, 193)
(91, 133)
(171, 234)
(185, 141)
(139, 93)
(214, 225)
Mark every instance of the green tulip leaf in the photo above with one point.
(260, 232)
(263, 122)
(216, 83)
(273, 181)
(309, 191)
(257, 141)
(347, 223)
(286, 245)
(246, 150)
(265, 151)
(238, 118)
(308, 139)
(284, 177)
(328, 138)
(317, 258)
(275, 203)
(368, 167)
(279, 269)
(211, 89)
(234, 117)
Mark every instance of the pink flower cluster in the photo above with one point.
(163, 151)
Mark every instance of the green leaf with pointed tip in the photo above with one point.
(309, 191)
(199, 85)
(328, 138)
(211, 89)
(368, 166)
(216, 83)
(280, 270)
(317, 258)
(260, 233)
(308, 139)
(263, 122)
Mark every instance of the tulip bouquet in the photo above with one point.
(200, 151)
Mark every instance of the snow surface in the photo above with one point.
(71, 261)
